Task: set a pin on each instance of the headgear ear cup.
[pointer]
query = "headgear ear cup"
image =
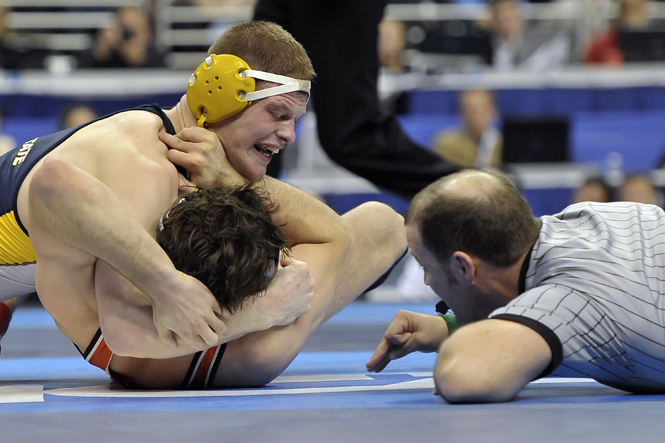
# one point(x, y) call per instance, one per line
point(217, 89)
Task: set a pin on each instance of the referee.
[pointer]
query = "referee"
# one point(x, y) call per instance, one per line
point(354, 129)
point(577, 294)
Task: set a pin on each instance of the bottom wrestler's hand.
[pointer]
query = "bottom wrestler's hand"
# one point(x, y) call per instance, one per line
point(188, 313)
point(408, 332)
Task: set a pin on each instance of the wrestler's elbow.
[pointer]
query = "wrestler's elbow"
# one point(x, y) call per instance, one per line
point(119, 346)
point(119, 340)
point(49, 180)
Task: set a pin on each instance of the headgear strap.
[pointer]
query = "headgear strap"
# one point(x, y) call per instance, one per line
point(287, 84)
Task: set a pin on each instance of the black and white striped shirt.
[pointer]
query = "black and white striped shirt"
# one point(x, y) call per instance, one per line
point(596, 281)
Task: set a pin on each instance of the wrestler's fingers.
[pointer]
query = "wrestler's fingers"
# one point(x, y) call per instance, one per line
point(167, 336)
point(180, 158)
point(174, 142)
point(196, 134)
point(224, 314)
point(217, 325)
point(209, 337)
point(197, 342)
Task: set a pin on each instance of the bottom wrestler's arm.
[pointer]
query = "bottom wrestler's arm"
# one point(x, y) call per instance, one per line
point(489, 361)
point(373, 240)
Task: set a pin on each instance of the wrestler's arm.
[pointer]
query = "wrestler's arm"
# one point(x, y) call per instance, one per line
point(64, 280)
point(129, 330)
point(303, 219)
point(489, 361)
point(344, 261)
point(371, 239)
point(84, 213)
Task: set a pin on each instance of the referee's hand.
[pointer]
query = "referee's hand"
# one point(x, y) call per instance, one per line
point(408, 332)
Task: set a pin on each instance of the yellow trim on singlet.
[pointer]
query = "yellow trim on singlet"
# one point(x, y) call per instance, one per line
point(15, 246)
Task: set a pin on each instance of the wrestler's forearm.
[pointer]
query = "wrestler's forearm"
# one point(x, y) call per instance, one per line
point(312, 226)
point(82, 212)
point(303, 218)
point(128, 327)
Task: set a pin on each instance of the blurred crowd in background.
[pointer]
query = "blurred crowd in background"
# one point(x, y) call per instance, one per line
point(457, 36)
point(504, 34)
point(425, 37)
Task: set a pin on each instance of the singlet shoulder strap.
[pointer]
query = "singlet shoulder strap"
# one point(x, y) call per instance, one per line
point(157, 110)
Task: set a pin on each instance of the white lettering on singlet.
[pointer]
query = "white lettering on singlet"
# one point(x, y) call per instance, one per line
point(23, 152)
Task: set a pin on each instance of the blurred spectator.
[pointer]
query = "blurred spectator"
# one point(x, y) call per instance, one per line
point(127, 42)
point(392, 41)
point(7, 142)
point(213, 3)
point(604, 47)
point(477, 144)
point(16, 53)
point(635, 188)
point(638, 188)
point(593, 190)
point(391, 46)
point(76, 114)
point(9, 57)
point(514, 45)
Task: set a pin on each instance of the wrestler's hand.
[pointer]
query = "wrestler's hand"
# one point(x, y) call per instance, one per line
point(188, 313)
point(201, 153)
point(408, 332)
point(288, 297)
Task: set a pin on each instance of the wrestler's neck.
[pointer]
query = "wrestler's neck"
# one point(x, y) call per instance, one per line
point(181, 116)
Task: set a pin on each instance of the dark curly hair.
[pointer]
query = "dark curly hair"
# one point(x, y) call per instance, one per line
point(225, 238)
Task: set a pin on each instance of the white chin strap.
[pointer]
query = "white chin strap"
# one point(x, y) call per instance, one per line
point(286, 85)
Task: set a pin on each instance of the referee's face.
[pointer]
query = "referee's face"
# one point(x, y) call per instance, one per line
point(437, 276)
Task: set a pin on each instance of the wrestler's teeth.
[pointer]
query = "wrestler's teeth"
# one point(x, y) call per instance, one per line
point(266, 150)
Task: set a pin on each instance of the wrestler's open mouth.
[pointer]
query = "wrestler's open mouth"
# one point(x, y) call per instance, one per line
point(267, 152)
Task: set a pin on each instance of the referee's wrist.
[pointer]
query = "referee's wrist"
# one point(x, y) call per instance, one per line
point(451, 322)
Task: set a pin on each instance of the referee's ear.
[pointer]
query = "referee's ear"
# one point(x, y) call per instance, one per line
point(463, 267)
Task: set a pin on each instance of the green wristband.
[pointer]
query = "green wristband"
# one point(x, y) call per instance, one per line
point(451, 321)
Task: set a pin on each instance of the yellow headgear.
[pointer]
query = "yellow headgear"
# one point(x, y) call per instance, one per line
point(224, 85)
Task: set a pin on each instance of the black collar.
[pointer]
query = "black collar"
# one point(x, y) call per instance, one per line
point(525, 267)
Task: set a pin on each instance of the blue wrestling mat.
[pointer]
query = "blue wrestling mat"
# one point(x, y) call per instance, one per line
point(49, 394)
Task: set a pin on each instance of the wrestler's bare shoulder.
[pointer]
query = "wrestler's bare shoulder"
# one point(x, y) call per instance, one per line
point(129, 130)
point(124, 152)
